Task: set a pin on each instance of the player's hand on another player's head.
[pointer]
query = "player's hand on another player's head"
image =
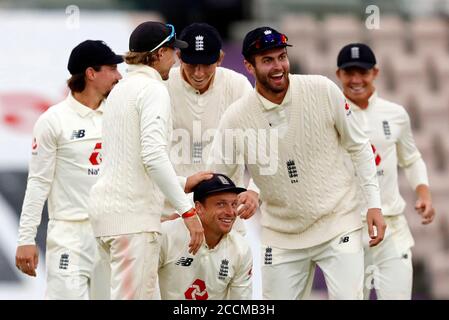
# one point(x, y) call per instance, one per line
point(425, 209)
point(196, 178)
point(196, 230)
point(247, 205)
point(376, 226)
point(27, 258)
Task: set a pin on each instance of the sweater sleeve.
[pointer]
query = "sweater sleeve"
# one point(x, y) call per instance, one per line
point(240, 287)
point(226, 154)
point(155, 118)
point(40, 178)
point(409, 156)
point(357, 144)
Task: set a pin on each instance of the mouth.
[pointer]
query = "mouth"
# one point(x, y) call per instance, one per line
point(277, 78)
point(357, 89)
point(226, 221)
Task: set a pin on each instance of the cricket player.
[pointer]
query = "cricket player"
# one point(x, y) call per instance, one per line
point(388, 126)
point(200, 91)
point(65, 159)
point(127, 201)
point(310, 208)
point(222, 268)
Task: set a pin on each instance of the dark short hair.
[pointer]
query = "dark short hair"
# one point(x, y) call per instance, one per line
point(77, 82)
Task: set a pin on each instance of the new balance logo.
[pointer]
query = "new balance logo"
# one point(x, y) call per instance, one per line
point(77, 134)
point(268, 256)
point(387, 131)
point(344, 239)
point(64, 261)
point(292, 171)
point(185, 262)
point(224, 269)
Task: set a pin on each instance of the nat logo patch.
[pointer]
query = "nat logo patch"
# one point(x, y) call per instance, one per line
point(268, 255)
point(292, 171)
point(197, 291)
point(224, 269)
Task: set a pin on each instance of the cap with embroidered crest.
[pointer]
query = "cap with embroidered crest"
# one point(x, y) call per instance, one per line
point(218, 183)
point(204, 44)
point(356, 55)
point(262, 39)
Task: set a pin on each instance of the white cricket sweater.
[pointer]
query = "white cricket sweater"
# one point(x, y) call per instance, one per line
point(388, 127)
point(310, 197)
point(65, 159)
point(136, 170)
point(196, 116)
point(224, 272)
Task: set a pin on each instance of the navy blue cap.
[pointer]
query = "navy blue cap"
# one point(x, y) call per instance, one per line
point(151, 35)
point(218, 183)
point(204, 44)
point(356, 55)
point(91, 53)
point(262, 39)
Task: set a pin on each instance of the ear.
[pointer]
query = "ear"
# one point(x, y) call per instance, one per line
point(337, 73)
point(220, 58)
point(199, 208)
point(89, 73)
point(375, 72)
point(249, 67)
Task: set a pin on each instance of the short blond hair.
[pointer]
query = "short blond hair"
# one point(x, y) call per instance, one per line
point(147, 58)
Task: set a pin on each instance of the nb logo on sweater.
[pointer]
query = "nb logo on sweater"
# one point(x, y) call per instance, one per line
point(344, 239)
point(292, 171)
point(78, 134)
point(224, 269)
point(185, 262)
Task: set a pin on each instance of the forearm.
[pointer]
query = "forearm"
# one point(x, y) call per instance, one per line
point(416, 174)
point(35, 196)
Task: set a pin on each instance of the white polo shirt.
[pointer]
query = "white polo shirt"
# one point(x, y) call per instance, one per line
point(224, 272)
point(388, 127)
point(65, 161)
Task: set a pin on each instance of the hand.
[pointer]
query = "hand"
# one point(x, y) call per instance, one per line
point(425, 209)
point(27, 258)
point(374, 218)
point(196, 178)
point(172, 216)
point(248, 202)
point(196, 233)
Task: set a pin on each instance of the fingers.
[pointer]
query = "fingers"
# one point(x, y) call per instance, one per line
point(428, 216)
point(378, 236)
point(26, 265)
point(247, 206)
point(196, 233)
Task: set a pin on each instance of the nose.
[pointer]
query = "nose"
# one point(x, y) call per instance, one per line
point(118, 75)
point(199, 71)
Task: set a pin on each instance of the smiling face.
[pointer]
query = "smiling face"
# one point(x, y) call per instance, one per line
point(271, 69)
point(358, 84)
point(199, 76)
point(218, 213)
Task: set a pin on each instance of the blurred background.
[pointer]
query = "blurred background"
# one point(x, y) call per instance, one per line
point(410, 39)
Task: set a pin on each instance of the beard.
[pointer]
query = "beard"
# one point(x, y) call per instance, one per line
point(264, 81)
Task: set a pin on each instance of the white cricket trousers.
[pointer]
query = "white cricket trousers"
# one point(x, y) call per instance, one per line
point(287, 274)
point(388, 266)
point(74, 269)
point(133, 260)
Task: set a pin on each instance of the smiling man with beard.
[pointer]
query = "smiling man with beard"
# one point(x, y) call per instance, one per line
point(310, 207)
point(222, 268)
